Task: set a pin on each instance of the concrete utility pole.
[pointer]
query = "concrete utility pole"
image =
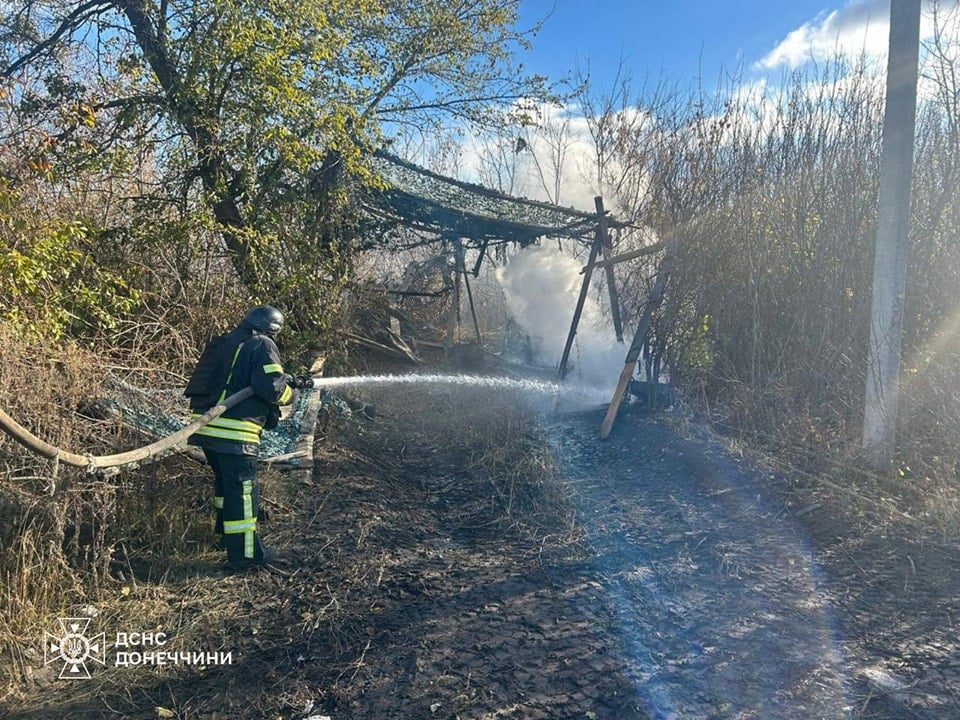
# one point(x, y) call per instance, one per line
point(893, 224)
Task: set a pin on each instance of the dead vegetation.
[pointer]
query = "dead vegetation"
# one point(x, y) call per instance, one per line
point(54, 518)
point(136, 551)
point(80, 539)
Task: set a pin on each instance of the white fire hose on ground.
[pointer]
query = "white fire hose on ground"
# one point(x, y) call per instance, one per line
point(109, 463)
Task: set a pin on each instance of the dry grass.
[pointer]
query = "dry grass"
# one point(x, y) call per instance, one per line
point(137, 549)
point(514, 454)
point(484, 443)
point(820, 456)
point(43, 508)
point(79, 540)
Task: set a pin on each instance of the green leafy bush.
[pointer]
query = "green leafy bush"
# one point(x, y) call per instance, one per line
point(53, 283)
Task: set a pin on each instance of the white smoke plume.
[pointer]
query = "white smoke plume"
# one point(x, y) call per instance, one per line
point(541, 286)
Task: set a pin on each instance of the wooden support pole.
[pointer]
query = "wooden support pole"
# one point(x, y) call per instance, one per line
point(473, 309)
point(581, 301)
point(453, 317)
point(606, 248)
point(654, 298)
point(480, 255)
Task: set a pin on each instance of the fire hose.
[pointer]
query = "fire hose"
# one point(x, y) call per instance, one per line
point(101, 463)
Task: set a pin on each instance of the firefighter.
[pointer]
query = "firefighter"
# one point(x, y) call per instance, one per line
point(245, 356)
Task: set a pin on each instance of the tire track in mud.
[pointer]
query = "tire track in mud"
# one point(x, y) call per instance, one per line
point(715, 595)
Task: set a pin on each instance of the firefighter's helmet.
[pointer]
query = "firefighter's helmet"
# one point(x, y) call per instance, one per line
point(264, 319)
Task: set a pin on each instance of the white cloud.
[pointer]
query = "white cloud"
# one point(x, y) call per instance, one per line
point(859, 26)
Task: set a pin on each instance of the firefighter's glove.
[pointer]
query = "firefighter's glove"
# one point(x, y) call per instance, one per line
point(300, 382)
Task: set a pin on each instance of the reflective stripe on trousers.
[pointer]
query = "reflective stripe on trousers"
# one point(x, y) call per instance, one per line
point(236, 479)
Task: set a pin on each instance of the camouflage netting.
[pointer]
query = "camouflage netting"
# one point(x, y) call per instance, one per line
point(158, 413)
point(423, 200)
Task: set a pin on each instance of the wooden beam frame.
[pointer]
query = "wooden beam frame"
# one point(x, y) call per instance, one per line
point(654, 298)
point(453, 318)
point(473, 310)
point(482, 251)
point(581, 301)
point(606, 247)
point(607, 261)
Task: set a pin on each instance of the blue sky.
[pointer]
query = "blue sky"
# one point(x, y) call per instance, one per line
point(687, 41)
point(685, 44)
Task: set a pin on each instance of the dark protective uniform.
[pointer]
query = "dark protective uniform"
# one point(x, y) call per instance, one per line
point(231, 443)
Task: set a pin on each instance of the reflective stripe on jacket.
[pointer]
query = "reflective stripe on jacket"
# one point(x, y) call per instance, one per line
point(255, 362)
